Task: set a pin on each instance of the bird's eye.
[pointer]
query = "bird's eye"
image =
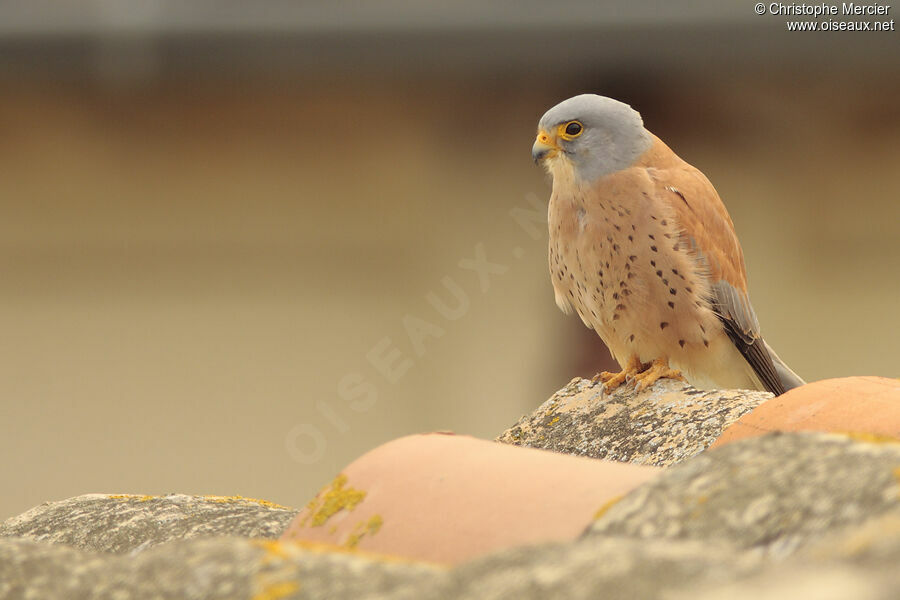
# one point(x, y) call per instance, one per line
point(572, 129)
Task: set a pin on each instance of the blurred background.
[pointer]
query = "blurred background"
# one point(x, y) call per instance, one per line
point(242, 243)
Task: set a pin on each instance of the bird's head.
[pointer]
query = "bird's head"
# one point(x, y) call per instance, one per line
point(591, 135)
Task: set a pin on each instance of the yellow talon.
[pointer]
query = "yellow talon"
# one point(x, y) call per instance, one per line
point(613, 380)
point(659, 369)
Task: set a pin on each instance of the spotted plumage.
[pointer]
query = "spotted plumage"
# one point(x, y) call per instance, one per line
point(644, 251)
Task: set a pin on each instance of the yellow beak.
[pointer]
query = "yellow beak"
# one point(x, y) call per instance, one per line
point(544, 147)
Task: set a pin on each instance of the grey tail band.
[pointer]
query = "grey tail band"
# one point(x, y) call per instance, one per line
point(789, 379)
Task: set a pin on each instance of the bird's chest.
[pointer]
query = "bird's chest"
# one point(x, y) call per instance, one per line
point(591, 260)
point(617, 260)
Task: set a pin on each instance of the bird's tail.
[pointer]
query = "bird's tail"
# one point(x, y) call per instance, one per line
point(788, 378)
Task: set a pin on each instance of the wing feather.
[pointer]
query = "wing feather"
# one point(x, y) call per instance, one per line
point(708, 232)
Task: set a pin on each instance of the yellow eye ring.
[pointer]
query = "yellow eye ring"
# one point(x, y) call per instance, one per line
point(570, 131)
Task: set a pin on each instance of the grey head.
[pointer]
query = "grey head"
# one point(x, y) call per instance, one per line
point(598, 135)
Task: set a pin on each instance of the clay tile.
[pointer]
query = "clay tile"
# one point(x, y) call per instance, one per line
point(448, 498)
point(855, 405)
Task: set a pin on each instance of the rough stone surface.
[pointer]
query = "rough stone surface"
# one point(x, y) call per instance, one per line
point(782, 516)
point(859, 562)
point(608, 568)
point(199, 568)
point(661, 426)
point(774, 494)
point(123, 522)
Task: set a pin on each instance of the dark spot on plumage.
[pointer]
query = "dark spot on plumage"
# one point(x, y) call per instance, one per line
point(633, 228)
point(609, 239)
point(632, 258)
point(652, 237)
point(596, 289)
point(665, 281)
point(626, 291)
point(615, 317)
point(652, 263)
point(681, 343)
point(600, 273)
point(622, 284)
point(630, 238)
point(620, 307)
point(688, 290)
point(607, 264)
point(663, 223)
point(617, 227)
point(659, 273)
point(651, 216)
point(663, 325)
point(615, 247)
point(671, 304)
point(676, 246)
point(702, 328)
point(615, 295)
point(653, 248)
point(672, 291)
point(630, 275)
point(667, 236)
point(627, 267)
point(631, 338)
point(706, 342)
point(674, 271)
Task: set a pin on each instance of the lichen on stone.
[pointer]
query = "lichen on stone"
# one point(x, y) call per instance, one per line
point(606, 506)
point(240, 499)
point(363, 529)
point(331, 500)
point(276, 591)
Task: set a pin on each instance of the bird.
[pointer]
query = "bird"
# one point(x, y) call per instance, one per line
point(644, 251)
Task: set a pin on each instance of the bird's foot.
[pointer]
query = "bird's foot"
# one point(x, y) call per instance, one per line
point(658, 369)
point(611, 381)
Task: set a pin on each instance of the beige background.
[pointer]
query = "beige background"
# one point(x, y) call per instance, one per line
point(194, 256)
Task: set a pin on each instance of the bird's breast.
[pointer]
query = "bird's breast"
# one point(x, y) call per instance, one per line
point(617, 259)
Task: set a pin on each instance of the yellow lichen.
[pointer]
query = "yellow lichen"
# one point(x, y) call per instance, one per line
point(274, 550)
point(553, 421)
point(276, 591)
point(363, 529)
point(242, 499)
point(288, 549)
point(374, 524)
point(609, 504)
point(872, 438)
point(353, 539)
point(332, 499)
point(137, 497)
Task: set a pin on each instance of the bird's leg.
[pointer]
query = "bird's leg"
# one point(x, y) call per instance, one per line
point(658, 369)
point(613, 380)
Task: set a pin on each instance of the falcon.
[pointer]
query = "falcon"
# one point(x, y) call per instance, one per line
point(644, 251)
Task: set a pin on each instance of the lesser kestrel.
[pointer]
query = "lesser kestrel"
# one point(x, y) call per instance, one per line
point(643, 249)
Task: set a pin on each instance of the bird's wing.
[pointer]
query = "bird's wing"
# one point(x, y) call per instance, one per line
point(708, 232)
